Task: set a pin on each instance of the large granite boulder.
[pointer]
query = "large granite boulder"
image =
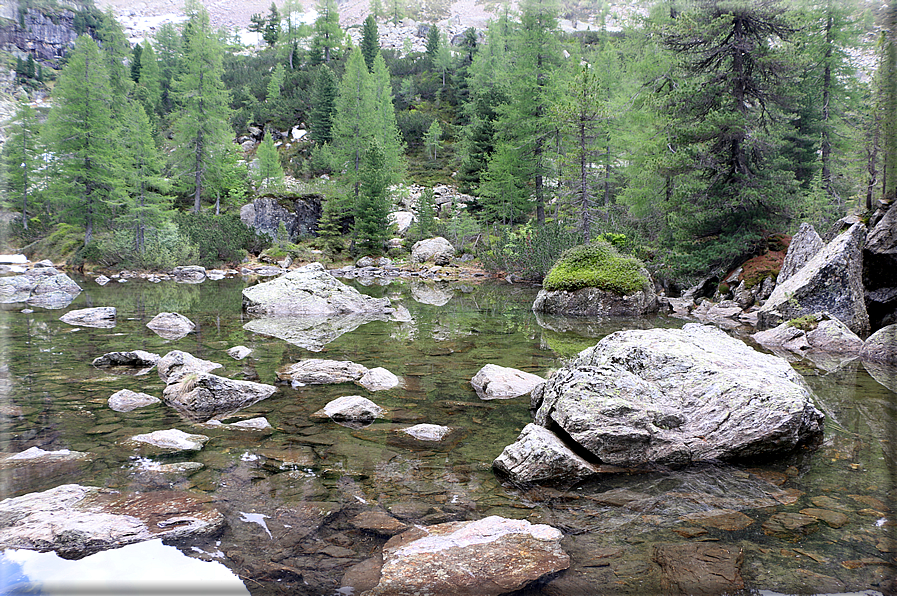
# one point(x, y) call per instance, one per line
point(351, 409)
point(831, 281)
point(674, 396)
point(595, 280)
point(485, 557)
point(499, 382)
point(188, 274)
point(819, 331)
point(310, 290)
point(76, 521)
point(203, 396)
point(439, 250)
point(881, 346)
point(805, 244)
point(45, 287)
point(102, 317)
point(171, 325)
point(880, 266)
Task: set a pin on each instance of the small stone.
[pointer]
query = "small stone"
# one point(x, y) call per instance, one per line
point(172, 440)
point(832, 518)
point(427, 432)
point(127, 400)
point(378, 522)
point(790, 526)
point(239, 352)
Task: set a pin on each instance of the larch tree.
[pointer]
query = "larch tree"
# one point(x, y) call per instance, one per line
point(270, 173)
point(201, 125)
point(81, 136)
point(21, 156)
point(355, 119)
point(386, 129)
point(328, 34)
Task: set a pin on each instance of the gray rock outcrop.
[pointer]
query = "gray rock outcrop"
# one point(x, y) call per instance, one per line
point(831, 281)
point(675, 396)
point(595, 302)
point(127, 400)
point(438, 249)
point(880, 266)
point(299, 215)
point(48, 37)
point(137, 359)
point(805, 244)
point(203, 396)
point(881, 346)
point(171, 325)
point(102, 317)
point(176, 364)
point(485, 557)
point(819, 331)
point(499, 382)
point(76, 521)
point(188, 274)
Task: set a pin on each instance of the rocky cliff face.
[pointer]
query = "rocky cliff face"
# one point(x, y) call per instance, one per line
point(46, 35)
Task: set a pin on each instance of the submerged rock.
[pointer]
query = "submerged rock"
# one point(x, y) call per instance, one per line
point(138, 359)
point(486, 557)
point(202, 396)
point(171, 325)
point(310, 290)
point(36, 455)
point(499, 382)
point(76, 521)
point(675, 396)
point(171, 440)
point(699, 569)
point(831, 281)
point(351, 408)
point(538, 455)
point(239, 352)
point(127, 400)
point(102, 317)
point(311, 332)
point(427, 432)
point(378, 379)
point(317, 371)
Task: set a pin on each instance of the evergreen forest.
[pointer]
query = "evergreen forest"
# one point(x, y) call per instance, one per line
point(691, 138)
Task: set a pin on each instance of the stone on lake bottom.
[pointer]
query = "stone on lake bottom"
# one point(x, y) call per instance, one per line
point(172, 440)
point(486, 557)
point(127, 400)
point(499, 382)
point(699, 569)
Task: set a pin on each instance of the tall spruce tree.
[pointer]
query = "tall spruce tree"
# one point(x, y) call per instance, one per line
point(386, 130)
point(328, 34)
point(272, 26)
point(201, 125)
point(81, 136)
point(323, 105)
point(730, 182)
point(370, 41)
point(21, 156)
point(372, 206)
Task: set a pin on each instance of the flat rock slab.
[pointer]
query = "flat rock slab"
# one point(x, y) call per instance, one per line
point(499, 382)
point(171, 325)
point(127, 400)
point(835, 519)
point(309, 290)
point(76, 521)
point(721, 519)
point(427, 432)
point(36, 455)
point(675, 396)
point(317, 371)
point(378, 522)
point(790, 526)
point(171, 440)
point(102, 317)
point(486, 557)
point(699, 569)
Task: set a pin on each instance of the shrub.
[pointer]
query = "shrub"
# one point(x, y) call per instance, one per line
point(596, 265)
point(528, 252)
point(220, 238)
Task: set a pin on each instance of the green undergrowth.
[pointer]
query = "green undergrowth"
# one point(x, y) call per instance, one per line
point(596, 265)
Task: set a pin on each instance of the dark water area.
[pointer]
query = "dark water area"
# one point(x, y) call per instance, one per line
point(289, 493)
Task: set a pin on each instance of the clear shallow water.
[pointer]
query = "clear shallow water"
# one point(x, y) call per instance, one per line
point(289, 495)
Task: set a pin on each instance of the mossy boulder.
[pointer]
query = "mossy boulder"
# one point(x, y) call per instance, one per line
point(596, 280)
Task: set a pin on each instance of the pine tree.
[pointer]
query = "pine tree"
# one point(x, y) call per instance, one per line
point(329, 227)
point(432, 46)
point(270, 172)
point(150, 86)
point(370, 42)
point(328, 34)
point(257, 25)
point(323, 105)
point(145, 202)
point(272, 26)
point(201, 125)
point(21, 155)
point(169, 50)
point(80, 131)
point(275, 83)
point(355, 120)
point(432, 136)
point(372, 207)
point(376, 9)
point(135, 62)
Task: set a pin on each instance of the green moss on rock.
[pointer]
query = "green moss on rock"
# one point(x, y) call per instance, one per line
point(805, 323)
point(596, 265)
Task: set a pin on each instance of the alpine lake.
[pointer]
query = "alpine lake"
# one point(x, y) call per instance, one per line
point(289, 493)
